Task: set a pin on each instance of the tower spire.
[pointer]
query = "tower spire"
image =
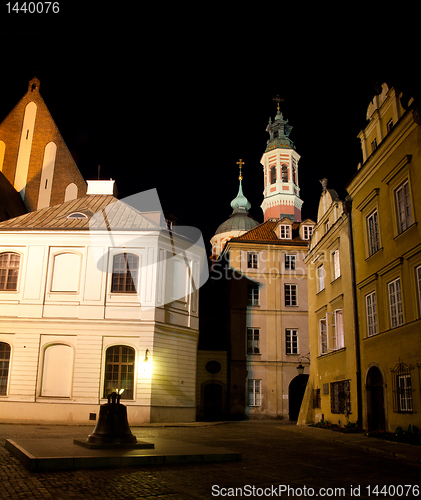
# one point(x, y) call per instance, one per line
point(240, 201)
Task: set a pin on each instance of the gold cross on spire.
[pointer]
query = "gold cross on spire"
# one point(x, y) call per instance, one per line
point(240, 163)
point(278, 100)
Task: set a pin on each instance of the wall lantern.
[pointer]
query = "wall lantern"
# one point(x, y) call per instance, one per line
point(300, 367)
point(146, 360)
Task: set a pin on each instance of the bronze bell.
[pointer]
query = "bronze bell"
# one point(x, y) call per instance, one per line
point(112, 427)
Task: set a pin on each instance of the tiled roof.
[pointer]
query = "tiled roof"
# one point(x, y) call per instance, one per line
point(117, 216)
point(265, 233)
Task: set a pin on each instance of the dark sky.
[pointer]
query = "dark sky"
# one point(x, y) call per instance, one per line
point(171, 99)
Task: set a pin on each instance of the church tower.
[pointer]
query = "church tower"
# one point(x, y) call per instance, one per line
point(238, 223)
point(280, 169)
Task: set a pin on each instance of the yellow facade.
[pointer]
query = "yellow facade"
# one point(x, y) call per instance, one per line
point(386, 213)
point(331, 393)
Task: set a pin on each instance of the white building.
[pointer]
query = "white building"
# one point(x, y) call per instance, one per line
point(96, 295)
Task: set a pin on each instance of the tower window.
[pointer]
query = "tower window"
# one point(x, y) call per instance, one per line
point(273, 175)
point(284, 173)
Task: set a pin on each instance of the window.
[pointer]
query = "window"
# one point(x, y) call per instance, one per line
point(9, 271)
point(374, 145)
point(253, 341)
point(395, 303)
point(255, 392)
point(284, 173)
point(317, 400)
point(389, 125)
point(291, 341)
point(252, 260)
point(273, 175)
point(338, 340)
point(66, 272)
point(320, 278)
point(418, 278)
point(253, 294)
point(119, 371)
point(403, 206)
point(285, 232)
point(373, 233)
point(336, 265)
point(326, 226)
point(290, 262)
point(323, 336)
point(370, 305)
point(294, 174)
point(340, 397)
point(307, 232)
point(291, 295)
point(4, 367)
point(125, 273)
point(402, 388)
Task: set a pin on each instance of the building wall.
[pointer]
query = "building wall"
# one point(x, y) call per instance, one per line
point(332, 362)
point(397, 255)
point(73, 309)
point(271, 317)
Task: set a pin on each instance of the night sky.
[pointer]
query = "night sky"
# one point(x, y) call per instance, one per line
point(172, 99)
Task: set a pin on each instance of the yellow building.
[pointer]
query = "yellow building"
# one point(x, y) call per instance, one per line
point(332, 387)
point(386, 211)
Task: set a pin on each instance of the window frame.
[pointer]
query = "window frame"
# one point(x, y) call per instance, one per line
point(10, 271)
point(323, 341)
point(336, 264)
point(408, 220)
point(373, 234)
point(291, 341)
point(320, 278)
point(371, 317)
point(418, 284)
point(253, 341)
point(396, 318)
point(290, 262)
point(340, 397)
point(252, 260)
point(119, 364)
point(292, 294)
point(309, 230)
point(5, 356)
point(253, 294)
point(339, 335)
point(273, 176)
point(116, 275)
point(254, 388)
point(285, 232)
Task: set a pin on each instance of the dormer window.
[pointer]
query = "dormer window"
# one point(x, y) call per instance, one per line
point(285, 232)
point(307, 232)
point(77, 215)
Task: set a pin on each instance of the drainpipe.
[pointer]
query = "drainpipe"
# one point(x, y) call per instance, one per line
point(348, 212)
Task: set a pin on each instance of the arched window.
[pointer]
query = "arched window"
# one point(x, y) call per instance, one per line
point(4, 367)
point(119, 371)
point(273, 175)
point(9, 271)
point(125, 273)
point(284, 173)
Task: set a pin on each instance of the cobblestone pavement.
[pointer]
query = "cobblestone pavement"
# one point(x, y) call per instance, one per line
point(275, 457)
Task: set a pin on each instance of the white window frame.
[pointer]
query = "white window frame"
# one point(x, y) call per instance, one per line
point(339, 330)
point(291, 341)
point(307, 232)
point(253, 341)
point(293, 298)
point(395, 303)
point(323, 336)
point(320, 278)
point(285, 232)
point(371, 313)
point(336, 264)
point(252, 260)
point(253, 294)
point(254, 387)
point(290, 262)
point(373, 233)
point(404, 387)
point(403, 206)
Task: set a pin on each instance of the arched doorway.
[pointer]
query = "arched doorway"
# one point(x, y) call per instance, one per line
point(375, 400)
point(296, 391)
